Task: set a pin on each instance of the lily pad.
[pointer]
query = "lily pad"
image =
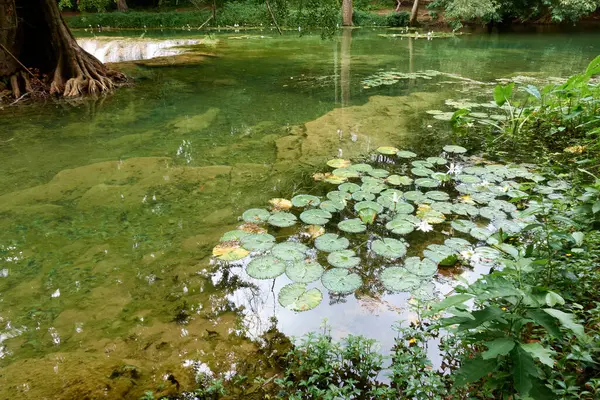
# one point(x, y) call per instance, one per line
point(389, 248)
point(339, 163)
point(437, 195)
point(430, 216)
point(397, 279)
point(458, 244)
point(258, 242)
point(421, 164)
point(279, 204)
point(256, 215)
point(437, 160)
point(229, 251)
point(454, 149)
point(363, 196)
point(468, 178)
point(303, 200)
point(443, 207)
point(266, 267)
point(332, 206)
point(398, 180)
point(462, 225)
point(423, 268)
point(367, 215)
point(315, 217)
point(480, 233)
point(348, 187)
point(304, 271)
point(335, 179)
point(422, 171)
point(290, 251)
point(282, 219)
point(378, 208)
point(346, 173)
point(233, 235)
point(352, 226)
point(373, 187)
point(492, 213)
point(400, 226)
point(427, 182)
point(336, 195)
point(387, 150)
point(361, 167)
point(414, 196)
point(379, 173)
point(340, 280)
point(331, 242)
point(295, 297)
point(438, 253)
point(343, 259)
point(406, 154)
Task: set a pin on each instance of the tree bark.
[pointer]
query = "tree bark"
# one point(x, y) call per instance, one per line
point(122, 5)
point(347, 13)
point(34, 37)
point(414, 13)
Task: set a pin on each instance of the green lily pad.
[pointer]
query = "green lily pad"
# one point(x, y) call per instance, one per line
point(345, 173)
point(438, 253)
point(331, 242)
point(378, 208)
point(414, 196)
point(431, 216)
point(363, 196)
point(361, 167)
point(492, 213)
point(454, 149)
point(475, 170)
point(256, 215)
point(480, 233)
point(406, 154)
point(462, 225)
point(233, 235)
point(387, 150)
point(289, 251)
point(343, 259)
point(349, 187)
point(397, 279)
point(315, 217)
point(468, 178)
point(434, 112)
point(340, 280)
point(427, 182)
point(483, 197)
point(517, 194)
point(258, 242)
point(423, 268)
point(379, 173)
point(373, 187)
point(437, 195)
point(266, 267)
point(339, 163)
point(332, 206)
point(398, 180)
point(400, 226)
point(295, 297)
point(282, 219)
point(508, 226)
point(367, 215)
point(303, 200)
point(465, 209)
point(389, 248)
point(338, 196)
point(421, 171)
point(502, 205)
point(422, 164)
point(447, 116)
point(304, 271)
point(352, 226)
point(443, 207)
point(457, 244)
point(437, 160)
point(439, 176)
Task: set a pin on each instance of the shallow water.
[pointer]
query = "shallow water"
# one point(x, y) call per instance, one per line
point(110, 208)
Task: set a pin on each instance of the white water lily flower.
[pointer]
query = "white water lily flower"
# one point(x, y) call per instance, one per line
point(455, 169)
point(467, 254)
point(395, 197)
point(484, 183)
point(424, 226)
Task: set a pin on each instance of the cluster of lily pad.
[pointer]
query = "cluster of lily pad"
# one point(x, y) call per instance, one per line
point(489, 112)
point(364, 228)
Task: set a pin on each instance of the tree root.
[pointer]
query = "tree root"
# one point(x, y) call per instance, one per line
point(89, 77)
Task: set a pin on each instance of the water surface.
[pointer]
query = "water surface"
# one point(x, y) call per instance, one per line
point(110, 207)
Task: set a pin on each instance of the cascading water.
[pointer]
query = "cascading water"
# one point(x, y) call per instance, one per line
point(121, 49)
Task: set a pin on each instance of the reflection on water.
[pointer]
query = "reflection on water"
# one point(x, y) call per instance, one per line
point(110, 208)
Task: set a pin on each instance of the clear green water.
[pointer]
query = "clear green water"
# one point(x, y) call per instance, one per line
point(118, 202)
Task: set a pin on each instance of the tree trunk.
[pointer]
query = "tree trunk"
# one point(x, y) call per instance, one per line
point(347, 12)
point(414, 13)
point(122, 5)
point(35, 39)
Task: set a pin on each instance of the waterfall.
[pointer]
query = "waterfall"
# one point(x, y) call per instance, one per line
point(122, 49)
